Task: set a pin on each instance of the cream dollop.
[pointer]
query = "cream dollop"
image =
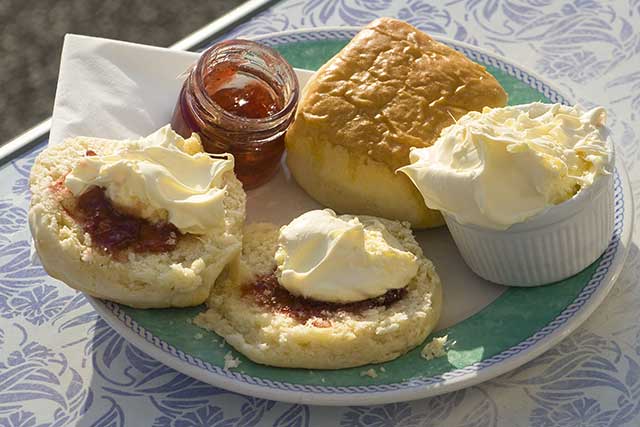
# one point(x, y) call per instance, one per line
point(341, 259)
point(162, 177)
point(504, 165)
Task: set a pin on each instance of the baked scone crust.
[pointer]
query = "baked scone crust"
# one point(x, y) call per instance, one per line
point(391, 88)
point(180, 278)
point(272, 338)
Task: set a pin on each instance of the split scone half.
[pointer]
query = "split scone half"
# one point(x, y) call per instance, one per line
point(390, 89)
point(279, 326)
point(179, 277)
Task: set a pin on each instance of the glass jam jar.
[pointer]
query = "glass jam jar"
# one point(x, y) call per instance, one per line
point(240, 97)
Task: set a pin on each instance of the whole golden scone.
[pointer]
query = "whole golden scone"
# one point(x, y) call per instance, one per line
point(341, 340)
point(391, 88)
point(179, 278)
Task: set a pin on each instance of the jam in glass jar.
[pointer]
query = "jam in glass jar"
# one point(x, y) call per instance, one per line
point(240, 97)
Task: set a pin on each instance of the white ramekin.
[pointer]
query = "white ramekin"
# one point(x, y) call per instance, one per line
point(553, 245)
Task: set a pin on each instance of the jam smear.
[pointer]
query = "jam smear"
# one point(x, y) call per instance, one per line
point(114, 231)
point(266, 291)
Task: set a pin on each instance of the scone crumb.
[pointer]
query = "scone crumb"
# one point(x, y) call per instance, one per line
point(230, 362)
point(189, 321)
point(382, 369)
point(371, 373)
point(435, 348)
point(198, 336)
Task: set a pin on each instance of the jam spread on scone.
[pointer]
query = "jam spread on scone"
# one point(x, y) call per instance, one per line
point(266, 291)
point(161, 178)
point(112, 230)
point(146, 194)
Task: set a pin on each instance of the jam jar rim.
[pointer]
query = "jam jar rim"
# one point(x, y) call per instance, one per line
point(197, 74)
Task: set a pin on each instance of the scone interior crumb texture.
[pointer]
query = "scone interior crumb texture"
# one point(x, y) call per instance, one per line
point(435, 348)
point(230, 362)
point(352, 339)
point(371, 373)
point(179, 278)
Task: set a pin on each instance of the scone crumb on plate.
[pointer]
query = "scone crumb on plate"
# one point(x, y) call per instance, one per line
point(198, 336)
point(435, 348)
point(382, 369)
point(230, 362)
point(371, 373)
point(189, 321)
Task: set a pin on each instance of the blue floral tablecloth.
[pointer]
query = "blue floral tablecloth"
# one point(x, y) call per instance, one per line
point(61, 365)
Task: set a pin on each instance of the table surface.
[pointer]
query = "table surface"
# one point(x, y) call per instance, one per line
point(61, 365)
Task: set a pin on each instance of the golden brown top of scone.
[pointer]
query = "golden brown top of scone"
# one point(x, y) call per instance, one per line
point(391, 88)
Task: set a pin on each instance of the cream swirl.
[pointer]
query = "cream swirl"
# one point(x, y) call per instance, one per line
point(160, 177)
point(505, 165)
point(341, 259)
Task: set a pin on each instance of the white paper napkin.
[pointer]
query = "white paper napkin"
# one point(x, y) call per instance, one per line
point(114, 89)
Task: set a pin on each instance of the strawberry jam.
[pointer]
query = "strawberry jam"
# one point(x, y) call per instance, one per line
point(240, 98)
point(266, 291)
point(242, 94)
point(114, 231)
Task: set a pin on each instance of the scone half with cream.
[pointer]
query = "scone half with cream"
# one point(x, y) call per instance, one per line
point(149, 223)
point(326, 292)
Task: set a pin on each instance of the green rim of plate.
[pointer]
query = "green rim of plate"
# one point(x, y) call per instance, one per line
point(512, 318)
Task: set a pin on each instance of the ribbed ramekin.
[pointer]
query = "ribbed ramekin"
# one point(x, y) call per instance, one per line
point(551, 246)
